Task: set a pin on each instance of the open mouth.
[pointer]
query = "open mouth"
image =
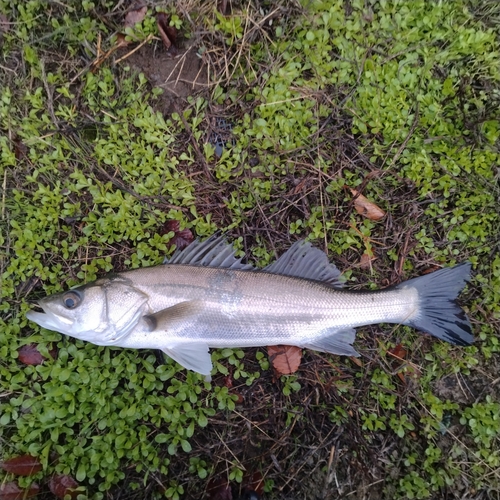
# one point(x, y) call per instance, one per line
point(47, 319)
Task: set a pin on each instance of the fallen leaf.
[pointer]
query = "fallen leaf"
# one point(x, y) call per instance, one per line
point(181, 239)
point(365, 207)
point(300, 186)
point(20, 149)
point(135, 16)
point(430, 270)
point(168, 33)
point(120, 40)
point(4, 23)
point(62, 485)
point(30, 355)
point(398, 352)
point(366, 260)
point(285, 358)
point(239, 396)
point(12, 491)
point(219, 489)
point(224, 7)
point(356, 361)
point(170, 225)
point(255, 483)
point(24, 465)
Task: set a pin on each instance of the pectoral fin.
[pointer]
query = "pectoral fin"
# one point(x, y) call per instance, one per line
point(193, 356)
point(173, 317)
point(335, 342)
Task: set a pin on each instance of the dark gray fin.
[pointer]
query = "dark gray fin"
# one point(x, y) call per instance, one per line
point(439, 314)
point(335, 342)
point(213, 252)
point(193, 356)
point(302, 260)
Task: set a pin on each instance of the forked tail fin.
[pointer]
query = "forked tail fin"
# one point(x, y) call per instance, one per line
point(440, 315)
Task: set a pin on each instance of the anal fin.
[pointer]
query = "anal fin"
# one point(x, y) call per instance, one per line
point(335, 342)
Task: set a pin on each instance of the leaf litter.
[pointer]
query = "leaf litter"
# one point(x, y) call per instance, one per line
point(135, 16)
point(12, 491)
point(29, 354)
point(182, 237)
point(23, 465)
point(167, 33)
point(285, 358)
point(366, 207)
point(62, 485)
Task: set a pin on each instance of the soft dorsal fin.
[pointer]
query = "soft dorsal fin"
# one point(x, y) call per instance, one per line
point(302, 260)
point(213, 252)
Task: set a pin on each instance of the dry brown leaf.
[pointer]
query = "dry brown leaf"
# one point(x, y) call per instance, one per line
point(30, 355)
point(430, 270)
point(4, 23)
point(24, 465)
point(181, 238)
point(219, 489)
point(365, 207)
point(239, 397)
point(366, 260)
point(62, 485)
point(399, 352)
point(254, 483)
point(12, 491)
point(135, 16)
point(228, 381)
point(224, 7)
point(120, 40)
point(4, 27)
point(168, 33)
point(285, 358)
point(356, 361)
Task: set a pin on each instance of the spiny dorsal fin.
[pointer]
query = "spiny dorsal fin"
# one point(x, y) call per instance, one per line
point(302, 260)
point(213, 252)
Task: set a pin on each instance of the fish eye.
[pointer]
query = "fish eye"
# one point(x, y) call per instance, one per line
point(72, 299)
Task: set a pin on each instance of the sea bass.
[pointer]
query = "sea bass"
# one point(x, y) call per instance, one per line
point(205, 297)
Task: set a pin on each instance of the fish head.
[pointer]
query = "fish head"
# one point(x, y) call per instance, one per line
point(102, 312)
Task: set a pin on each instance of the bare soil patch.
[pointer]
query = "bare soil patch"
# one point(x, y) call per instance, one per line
point(178, 76)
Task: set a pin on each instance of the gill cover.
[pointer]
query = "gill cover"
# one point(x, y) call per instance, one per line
point(102, 312)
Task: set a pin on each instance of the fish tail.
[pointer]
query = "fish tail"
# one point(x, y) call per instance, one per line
point(439, 313)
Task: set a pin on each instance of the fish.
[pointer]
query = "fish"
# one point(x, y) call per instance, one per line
point(205, 297)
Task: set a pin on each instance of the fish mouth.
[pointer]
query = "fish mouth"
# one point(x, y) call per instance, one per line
point(48, 320)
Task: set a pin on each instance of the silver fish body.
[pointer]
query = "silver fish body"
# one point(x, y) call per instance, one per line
point(205, 297)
